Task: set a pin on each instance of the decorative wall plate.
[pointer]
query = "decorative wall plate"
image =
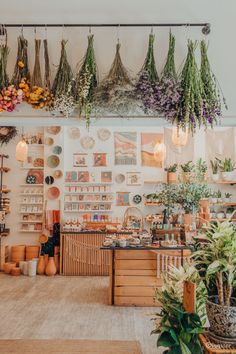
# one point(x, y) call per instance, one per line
point(49, 180)
point(38, 162)
point(57, 174)
point(30, 179)
point(53, 161)
point(57, 150)
point(53, 193)
point(74, 132)
point(120, 178)
point(103, 134)
point(87, 142)
point(49, 141)
point(38, 174)
point(137, 199)
point(54, 130)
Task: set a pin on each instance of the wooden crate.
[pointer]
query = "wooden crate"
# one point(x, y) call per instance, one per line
point(4, 256)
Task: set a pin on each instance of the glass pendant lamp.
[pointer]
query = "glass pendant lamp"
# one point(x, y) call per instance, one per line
point(22, 149)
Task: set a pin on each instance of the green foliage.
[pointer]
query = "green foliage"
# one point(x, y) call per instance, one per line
point(215, 166)
point(168, 196)
point(187, 167)
point(200, 170)
point(172, 168)
point(226, 165)
point(190, 194)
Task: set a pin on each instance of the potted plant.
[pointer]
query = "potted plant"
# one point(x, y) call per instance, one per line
point(219, 196)
point(171, 173)
point(214, 197)
point(227, 167)
point(177, 330)
point(229, 212)
point(227, 198)
point(215, 170)
point(200, 170)
point(217, 266)
point(187, 168)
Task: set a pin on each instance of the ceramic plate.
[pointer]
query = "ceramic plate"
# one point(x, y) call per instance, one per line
point(53, 161)
point(49, 141)
point(38, 162)
point(54, 130)
point(38, 174)
point(53, 193)
point(30, 179)
point(57, 150)
point(87, 142)
point(57, 174)
point(104, 134)
point(120, 178)
point(74, 132)
point(49, 180)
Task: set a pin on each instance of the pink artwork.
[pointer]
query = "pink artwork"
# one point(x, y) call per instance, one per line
point(148, 142)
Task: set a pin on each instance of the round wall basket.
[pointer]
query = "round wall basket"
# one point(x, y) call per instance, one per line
point(54, 130)
point(49, 141)
point(53, 161)
point(87, 142)
point(104, 134)
point(53, 193)
point(74, 132)
point(57, 174)
point(49, 180)
point(57, 150)
point(120, 178)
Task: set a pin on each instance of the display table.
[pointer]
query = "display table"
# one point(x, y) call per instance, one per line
point(135, 273)
point(81, 254)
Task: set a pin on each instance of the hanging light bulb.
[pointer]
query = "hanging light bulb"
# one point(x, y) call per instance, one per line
point(179, 136)
point(22, 150)
point(159, 152)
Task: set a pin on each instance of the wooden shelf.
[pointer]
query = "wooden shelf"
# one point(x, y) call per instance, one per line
point(223, 182)
point(152, 203)
point(88, 211)
point(4, 169)
point(40, 203)
point(67, 184)
point(31, 212)
point(88, 193)
point(223, 204)
point(224, 219)
point(36, 145)
point(32, 185)
point(32, 168)
point(31, 221)
point(89, 202)
point(154, 182)
point(29, 231)
point(31, 194)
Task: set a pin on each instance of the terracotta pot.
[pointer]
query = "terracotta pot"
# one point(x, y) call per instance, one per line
point(18, 253)
point(16, 271)
point(51, 267)
point(57, 262)
point(186, 176)
point(187, 219)
point(41, 265)
point(171, 177)
point(7, 267)
point(46, 260)
point(32, 252)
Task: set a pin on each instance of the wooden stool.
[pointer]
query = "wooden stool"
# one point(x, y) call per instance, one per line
point(209, 347)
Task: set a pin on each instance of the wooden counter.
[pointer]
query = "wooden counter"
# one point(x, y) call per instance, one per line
point(136, 273)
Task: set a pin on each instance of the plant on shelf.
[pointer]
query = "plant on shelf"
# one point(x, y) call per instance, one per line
point(227, 167)
point(200, 170)
point(216, 259)
point(187, 169)
point(227, 197)
point(190, 194)
point(151, 198)
point(171, 173)
point(168, 196)
point(178, 330)
point(229, 212)
point(215, 169)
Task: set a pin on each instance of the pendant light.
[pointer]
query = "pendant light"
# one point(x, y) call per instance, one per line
point(179, 136)
point(159, 152)
point(22, 149)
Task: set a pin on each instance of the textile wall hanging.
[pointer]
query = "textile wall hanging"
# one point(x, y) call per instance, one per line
point(219, 143)
point(175, 154)
point(125, 148)
point(148, 142)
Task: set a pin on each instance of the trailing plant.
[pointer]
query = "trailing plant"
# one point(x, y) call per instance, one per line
point(115, 94)
point(216, 258)
point(147, 80)
point(211, 94)
point(178, 331)
point(172, 168)
point(86, 82)
point(187, 167)
point(167, 92)
point(190, 194)
point(21, 70)
point(215, 166)
point(227, 165)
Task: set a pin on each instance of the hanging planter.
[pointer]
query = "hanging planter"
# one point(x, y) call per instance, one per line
point(147, 80)
point(86, 82)
point(167, 93)
point(211, 94)
point(63, 86)
point(116, 92)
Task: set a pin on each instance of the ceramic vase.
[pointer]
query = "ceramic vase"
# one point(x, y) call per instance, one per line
point(187, 219)
point(51, 267)
point(32, 267)
point(171, 177)
point(215, 177)
point(41, 265)
point(228, 176)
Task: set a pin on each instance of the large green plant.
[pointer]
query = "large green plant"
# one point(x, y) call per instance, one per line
point(178, 330)
point(190, 194)
point(227, 165)
point(217, 259)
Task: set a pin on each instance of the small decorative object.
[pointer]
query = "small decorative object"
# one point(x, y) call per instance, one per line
point(120, 178)
point(53, 161)
point(38, 174)
point(57, 150)
point(57, 174)
point(38, 162)
point(133, 178)
point(7, 134)
point(99, 159)
point(73, 132)
point(187, 169)
point(80, 160)
point(215, 170)
point(53, 193)
point(71, 176)
point(49, 180)
point(200, 171)
point(125, 148)
point(86, 82)
point(137, 199)
point(49, 141)
point(21, 150)
point(51, 267)
point(87, 142)
point(133, 218)
point(83, 176)
point(227, 167)
point(179, 136)
point(54, 130)
point(171, 173)
point(159, 152)
point(103, 134)
point(122, 198)
point(30, 179)
point(106, 177)
point(148, 143)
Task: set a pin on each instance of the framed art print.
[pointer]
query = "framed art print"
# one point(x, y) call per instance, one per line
point(80, 160)
point(106, 176)
point(83, 176)
point(133, 178)
point(122, 199)
point(99, 159)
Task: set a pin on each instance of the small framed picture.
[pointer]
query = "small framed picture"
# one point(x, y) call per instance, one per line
point(80, 160)
point(106, 177)
point(122, 199)
point(133, 178)
point(99, 159)
point(83, 176)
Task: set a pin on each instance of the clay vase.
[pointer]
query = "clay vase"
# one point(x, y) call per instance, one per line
point(46, 260)
point(41, 265)
point(57, 262)
point(51, 267)
point(171, 177)
point(187, 219)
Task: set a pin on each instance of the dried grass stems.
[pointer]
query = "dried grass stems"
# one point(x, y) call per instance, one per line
point(4, 79)
point(21, 70)
point(36, 79)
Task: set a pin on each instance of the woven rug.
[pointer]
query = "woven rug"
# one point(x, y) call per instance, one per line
point(51, 346)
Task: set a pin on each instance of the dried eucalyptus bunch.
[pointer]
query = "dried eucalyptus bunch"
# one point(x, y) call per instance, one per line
point(86, 82)
point(115, 94)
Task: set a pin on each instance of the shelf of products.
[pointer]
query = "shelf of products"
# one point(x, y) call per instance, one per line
point(153, 182)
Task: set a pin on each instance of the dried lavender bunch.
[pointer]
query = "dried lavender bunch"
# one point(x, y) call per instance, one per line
point(21, 71)
point(147, 80)
point(115, 94)
point(167, 92)
point(86, 82)
point(212, 109)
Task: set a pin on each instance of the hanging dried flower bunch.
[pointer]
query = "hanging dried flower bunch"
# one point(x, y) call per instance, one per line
point(167, 92)
point(211, 94)
point(147, 80)
point(115, 94)
point(21, 71)
point(49, 102)
point(191, 102)
point(86, 82)
point(63, 87)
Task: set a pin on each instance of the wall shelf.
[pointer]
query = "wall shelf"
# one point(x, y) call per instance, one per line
point(31, 221)
point(87, 193)
point(89, 202)
point(154, 182)
point(31, 185)
point(30, 231)
point(88, 211)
